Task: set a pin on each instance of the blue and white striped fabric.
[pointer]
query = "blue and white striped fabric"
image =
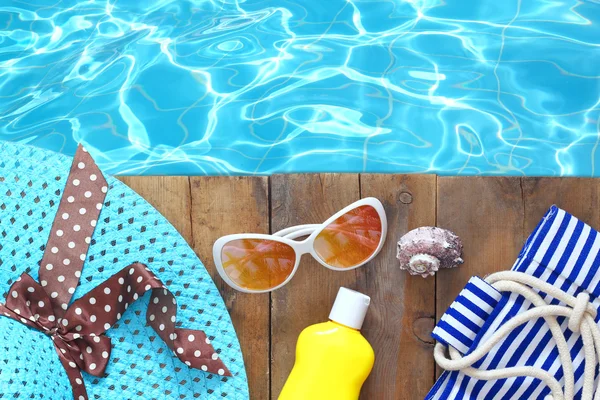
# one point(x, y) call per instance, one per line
point(562, 251)
point(465, 317)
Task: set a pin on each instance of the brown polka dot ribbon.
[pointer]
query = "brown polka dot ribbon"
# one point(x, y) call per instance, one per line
point(77, 330)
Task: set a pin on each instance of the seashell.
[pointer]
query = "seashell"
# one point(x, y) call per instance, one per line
point(423, 251)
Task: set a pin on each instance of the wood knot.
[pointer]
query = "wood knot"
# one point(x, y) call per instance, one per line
point(405, 197)
point(422, 328)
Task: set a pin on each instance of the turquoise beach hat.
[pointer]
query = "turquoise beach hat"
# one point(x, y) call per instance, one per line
point(140, 365)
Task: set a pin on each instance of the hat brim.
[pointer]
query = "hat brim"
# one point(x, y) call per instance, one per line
point(129, 230)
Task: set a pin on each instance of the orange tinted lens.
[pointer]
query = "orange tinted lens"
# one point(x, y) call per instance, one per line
point(351, 239)
point(257, 264)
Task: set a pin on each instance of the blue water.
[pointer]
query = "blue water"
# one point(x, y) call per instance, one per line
point(243, 87)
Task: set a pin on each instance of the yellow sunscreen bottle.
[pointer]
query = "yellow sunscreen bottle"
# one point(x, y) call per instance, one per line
point(333, 359)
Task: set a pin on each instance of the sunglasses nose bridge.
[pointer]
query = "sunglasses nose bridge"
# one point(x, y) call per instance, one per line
point(303, 247)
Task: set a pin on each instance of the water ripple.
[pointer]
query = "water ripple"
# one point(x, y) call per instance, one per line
point(254, 87)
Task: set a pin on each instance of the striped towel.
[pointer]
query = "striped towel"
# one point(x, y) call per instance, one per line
point(562, 251)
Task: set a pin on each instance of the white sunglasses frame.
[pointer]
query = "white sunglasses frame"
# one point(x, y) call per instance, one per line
point(303, 247)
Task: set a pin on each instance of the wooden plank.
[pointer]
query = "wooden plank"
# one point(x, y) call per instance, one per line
point(487, 214)
point(402, 311)
point(578, 196)
point(170, 195)
point(225, 205)
point(308, 297)
point(204, 209)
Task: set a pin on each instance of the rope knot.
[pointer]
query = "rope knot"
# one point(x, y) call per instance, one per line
point(581, 316)
point(583, 299)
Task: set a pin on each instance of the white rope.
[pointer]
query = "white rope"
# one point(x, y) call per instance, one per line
point(581, 314)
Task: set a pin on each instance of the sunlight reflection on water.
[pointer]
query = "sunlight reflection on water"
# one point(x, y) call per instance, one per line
point(234, 87)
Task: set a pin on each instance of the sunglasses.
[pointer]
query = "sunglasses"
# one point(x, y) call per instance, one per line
point(256, 263)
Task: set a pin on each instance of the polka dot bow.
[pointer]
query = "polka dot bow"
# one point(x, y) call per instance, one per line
point(77, 330)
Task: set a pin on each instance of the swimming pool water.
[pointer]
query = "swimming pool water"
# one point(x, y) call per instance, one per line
point(243, 87)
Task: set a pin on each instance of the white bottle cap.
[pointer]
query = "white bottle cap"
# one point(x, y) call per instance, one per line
point(350, 308)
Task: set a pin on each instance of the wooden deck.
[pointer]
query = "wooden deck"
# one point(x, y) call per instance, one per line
point(493, 216)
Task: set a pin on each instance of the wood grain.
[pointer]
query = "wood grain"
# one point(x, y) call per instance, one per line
point(221, 206)
point(307, 298)
point(487, 214)
point(578, 196)
point(402, 311)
